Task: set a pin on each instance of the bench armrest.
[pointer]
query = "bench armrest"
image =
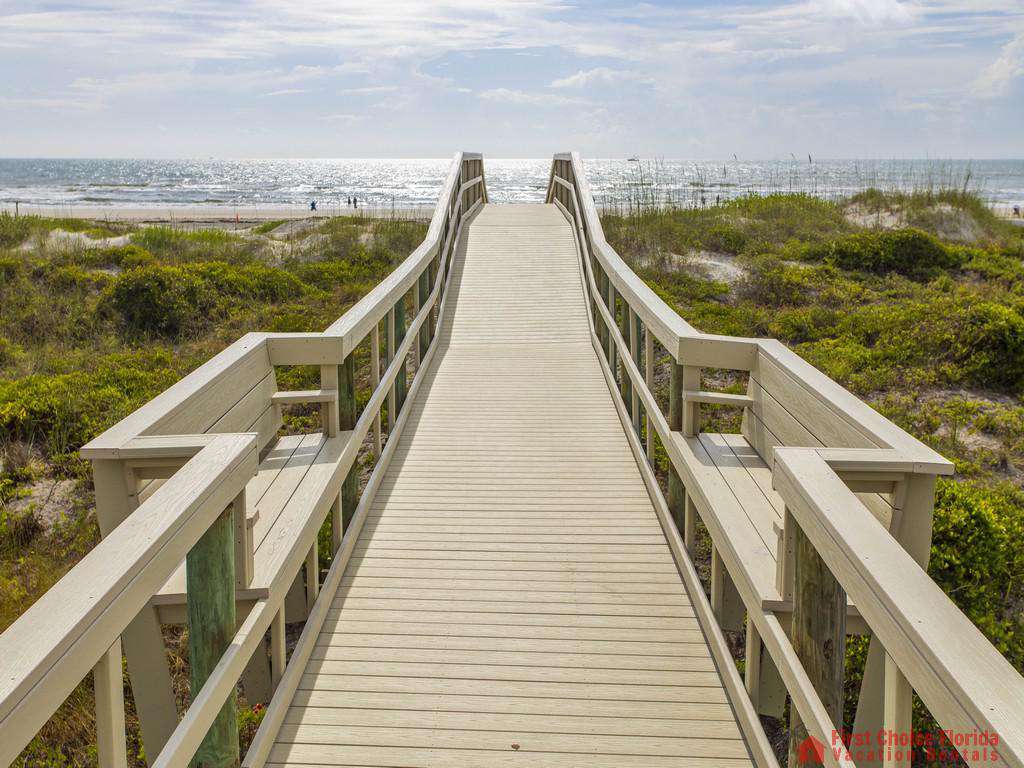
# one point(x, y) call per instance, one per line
point(304, 396)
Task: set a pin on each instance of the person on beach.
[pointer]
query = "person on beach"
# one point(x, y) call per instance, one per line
point(348, 202)
point(312, 205)
point(355, 201)
point(1016, 211)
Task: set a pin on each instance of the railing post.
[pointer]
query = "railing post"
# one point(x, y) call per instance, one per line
point(649, 380)
point(399, 337)
point(635, 331)
point(210, 590)
point(389, 355)
point(818, 633)
point(347, 421)
point(144, 647)
point(375, 381)
point(676, 491)
point(423, 339)
point(897, 718)
point(108, 684)
point(610, 300)
point(626, 384)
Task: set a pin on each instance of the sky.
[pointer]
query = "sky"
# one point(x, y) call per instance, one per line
point(512, 78)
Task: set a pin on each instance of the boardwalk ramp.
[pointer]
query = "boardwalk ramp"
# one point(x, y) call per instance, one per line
point(512, 597)
point(513, 514)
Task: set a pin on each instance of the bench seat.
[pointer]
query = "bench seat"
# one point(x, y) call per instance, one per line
point(294, 487)
point(738, 483)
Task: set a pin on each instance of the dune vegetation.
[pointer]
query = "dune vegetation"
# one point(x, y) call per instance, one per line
point(915, 302)
point(96, 319)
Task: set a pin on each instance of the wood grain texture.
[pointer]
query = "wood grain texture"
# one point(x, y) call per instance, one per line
point(512, 584)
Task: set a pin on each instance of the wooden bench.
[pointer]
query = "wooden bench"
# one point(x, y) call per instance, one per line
point(284, 504)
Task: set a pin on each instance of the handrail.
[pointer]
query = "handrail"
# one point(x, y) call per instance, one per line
point(75, 626)
point(686, 343)
point(925, 636)
point(964, 681)
point(354, 324)
point(54, 644)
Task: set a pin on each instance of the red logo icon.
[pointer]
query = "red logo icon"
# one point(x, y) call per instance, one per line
point(811, 751)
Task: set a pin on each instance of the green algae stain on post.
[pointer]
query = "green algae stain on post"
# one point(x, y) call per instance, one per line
point(399, 337)
point(422, 292)
point(347, 421)
point(210, 588)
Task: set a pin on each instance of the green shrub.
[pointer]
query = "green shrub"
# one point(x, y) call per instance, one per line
point(771, 282)
point(67, 410)
point(14, 230)
point(909, 252)
point(978, 561)
point(161, 300)
point(167, 301)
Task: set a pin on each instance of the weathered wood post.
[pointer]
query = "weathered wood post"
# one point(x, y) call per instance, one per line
point(626, 384)
point(610, 302)
point(210, 590)
point(636, 350)
point(676, 492)
point(399, 337)
point(347, 421)
point(422, 292)
point(818, 633)
point(602, 287)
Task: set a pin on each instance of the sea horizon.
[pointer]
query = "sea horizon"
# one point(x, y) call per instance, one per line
point(405, 183)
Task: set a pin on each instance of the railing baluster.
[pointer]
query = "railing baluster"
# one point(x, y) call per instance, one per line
point(635, 350)
point(897, 715)
point(649, 380)
point(400, 382)
point(389, 356)
point(108, 684)
point(375, 380)
point(676, 493)
point(625, 384)
point(210, 602)
point(278, 648)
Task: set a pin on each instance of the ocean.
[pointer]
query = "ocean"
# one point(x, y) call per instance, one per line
point(380, 183)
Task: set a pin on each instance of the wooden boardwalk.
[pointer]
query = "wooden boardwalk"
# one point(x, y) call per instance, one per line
point(510, 586)
point(512, 598)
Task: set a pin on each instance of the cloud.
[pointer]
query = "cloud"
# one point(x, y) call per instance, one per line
point(995, 80)
point(871, 12)
point(368, 90)
point(343, 118)
point(286, 92)
point(598, 76)
point(510, 96)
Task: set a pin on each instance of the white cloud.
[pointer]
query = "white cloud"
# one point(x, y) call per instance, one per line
point(510, 96)
point(587, 78)
point(869, 11)
point(344, 118)
point(368, 90)
point(286, 92)
point(996, 78)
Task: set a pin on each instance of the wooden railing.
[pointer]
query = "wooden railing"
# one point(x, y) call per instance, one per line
point(170, 485)
point(830, 455)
